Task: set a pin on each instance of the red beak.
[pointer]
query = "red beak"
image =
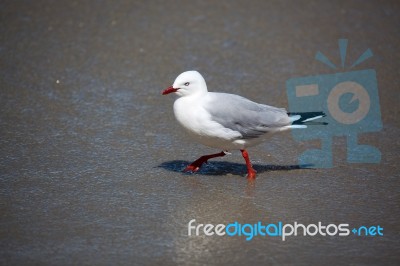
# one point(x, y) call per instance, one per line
point(169, 90)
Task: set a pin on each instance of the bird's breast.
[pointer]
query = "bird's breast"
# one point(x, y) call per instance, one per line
point(189, 114)
point(201, 127)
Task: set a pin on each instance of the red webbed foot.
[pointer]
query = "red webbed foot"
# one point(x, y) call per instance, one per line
point(251, 174)
point(195, 166)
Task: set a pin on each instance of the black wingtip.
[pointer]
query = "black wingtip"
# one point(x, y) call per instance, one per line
point(307, 116)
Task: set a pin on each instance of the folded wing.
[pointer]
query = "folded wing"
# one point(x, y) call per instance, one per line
point(242, 115)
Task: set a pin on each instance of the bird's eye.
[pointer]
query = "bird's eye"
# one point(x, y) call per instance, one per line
point(187, 84)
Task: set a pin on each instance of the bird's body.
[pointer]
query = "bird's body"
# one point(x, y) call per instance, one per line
point(227, 121)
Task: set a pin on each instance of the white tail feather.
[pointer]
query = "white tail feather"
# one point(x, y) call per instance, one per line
point(297, 126)
point(312, 118)
point(294, 118)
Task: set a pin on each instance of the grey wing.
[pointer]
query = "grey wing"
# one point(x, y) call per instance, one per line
point(240, 114)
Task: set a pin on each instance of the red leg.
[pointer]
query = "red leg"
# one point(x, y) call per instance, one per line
point(195, 166)
point(251, 173)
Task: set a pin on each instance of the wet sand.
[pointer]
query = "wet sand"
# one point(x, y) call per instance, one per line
point(91, 156)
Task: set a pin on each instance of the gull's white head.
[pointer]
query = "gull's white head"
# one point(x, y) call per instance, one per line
point(188, 83)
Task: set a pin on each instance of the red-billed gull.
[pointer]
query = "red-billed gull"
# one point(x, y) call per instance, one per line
point(227, 121)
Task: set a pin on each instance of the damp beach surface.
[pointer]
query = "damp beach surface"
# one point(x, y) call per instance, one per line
point(91, 156)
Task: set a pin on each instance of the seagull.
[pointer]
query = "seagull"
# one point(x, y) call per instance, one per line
point(228, 121)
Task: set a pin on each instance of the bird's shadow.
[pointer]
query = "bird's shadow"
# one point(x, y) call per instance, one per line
point(224, 168)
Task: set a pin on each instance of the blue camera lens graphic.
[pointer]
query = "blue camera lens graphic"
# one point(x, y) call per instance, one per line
point(351, 102)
